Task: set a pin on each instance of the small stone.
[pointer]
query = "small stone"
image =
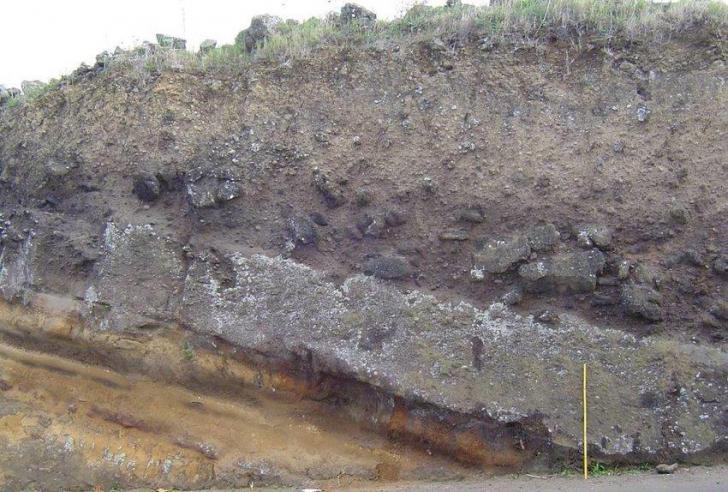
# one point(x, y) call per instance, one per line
point(454, 235)
point(547, 316)
point(363, 197)
point(146, 187)
point(623, 269)
point(643, 114)
point(543, 237)
point(512, 297)
point(472, 215)
point(207, 45)
point(394, 218)
point(226, 191)
point(332, 193)
point(597, 234)
point(679, 214)
point(319, 219)
point(301, 230)
point(720, 310)
point(720, 265)
point(387, 267)
point(167, 41)
point(665, 469)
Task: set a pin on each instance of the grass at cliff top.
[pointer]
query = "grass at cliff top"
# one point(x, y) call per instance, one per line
point(517, 21)
point(513, 20)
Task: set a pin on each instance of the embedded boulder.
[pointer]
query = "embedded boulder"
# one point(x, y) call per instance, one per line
point(387, 267)
point(500, 255)
point(642, 301)
point(566, 272)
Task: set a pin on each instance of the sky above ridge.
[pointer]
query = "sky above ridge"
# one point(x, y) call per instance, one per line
point(43, 39)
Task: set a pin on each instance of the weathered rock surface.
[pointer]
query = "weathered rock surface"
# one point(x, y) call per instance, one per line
point(500, 255)
point(572, 272)
point(261, 27)
point(352, 13)
point(642, 300)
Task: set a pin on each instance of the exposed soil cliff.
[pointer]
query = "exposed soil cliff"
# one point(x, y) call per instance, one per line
point(431, 237)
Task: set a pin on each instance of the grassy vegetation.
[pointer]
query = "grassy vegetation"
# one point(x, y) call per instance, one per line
point(512, 21)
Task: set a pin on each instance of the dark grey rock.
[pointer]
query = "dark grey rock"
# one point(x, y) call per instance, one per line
point(352, 13)
point(211, 187)
point(512, 297)
point(319, 219)
point(261, 28)
point(474, 215)
point(543, 237)
point(720, 310)
point(641, 301)
point(665, 469)
point(500, 255)
point(207, 45)
point(363, 197)
point(332, 192)
point(166, 41)
point(598, 235)
point(720, 265)
point(227, 190)
point(648, 275)
point(571, 272)
point(679, 214)
point(301, 230)
point(376, 226)
point(387, 267)
point(394, 218)
point(146, 187)
point(547, 316)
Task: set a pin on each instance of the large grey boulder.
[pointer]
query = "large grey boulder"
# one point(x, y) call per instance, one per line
point(500, 255)
point(641, 301)
point(261, 28)
point(352, 13)
point(565, 272)
point(167, 41)
point(207, 45)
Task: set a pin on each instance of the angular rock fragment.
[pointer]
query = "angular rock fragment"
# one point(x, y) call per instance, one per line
point(500, 255)
point(570, 272)
point(146, 187)
point(331, 191)
point(387, 267)
point(352, 13)
point(261, 28)
point(543, 237)
point(641, 301)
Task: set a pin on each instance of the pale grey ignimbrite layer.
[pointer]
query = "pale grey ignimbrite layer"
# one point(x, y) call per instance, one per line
point(413, 345)
point(648, 396)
